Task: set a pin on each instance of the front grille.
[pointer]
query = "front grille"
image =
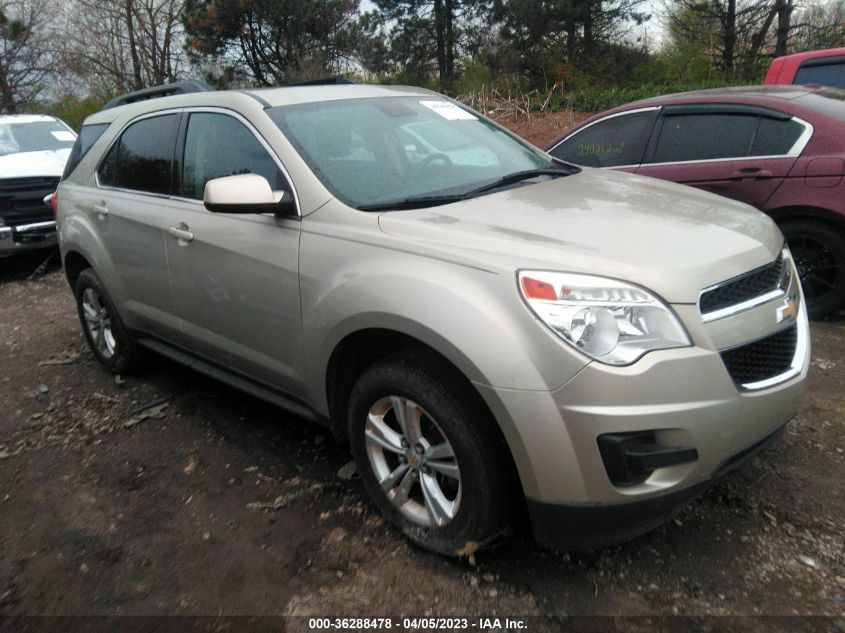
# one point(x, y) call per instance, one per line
point(22, 199)
point(742, 288)
point(763, 359)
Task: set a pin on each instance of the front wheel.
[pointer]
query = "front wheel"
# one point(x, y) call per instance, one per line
point(429, 456)
point(819, 254)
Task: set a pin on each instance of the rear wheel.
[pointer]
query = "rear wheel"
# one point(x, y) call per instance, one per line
point(428, 454)
point(107, 336)
point(819, 254)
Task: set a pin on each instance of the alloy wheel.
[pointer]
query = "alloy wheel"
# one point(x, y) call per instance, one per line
point(98, 323)
point(413, 461)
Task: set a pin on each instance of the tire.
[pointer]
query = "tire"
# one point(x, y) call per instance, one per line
point(470, 511)
point(105, 332)
point(819, 254)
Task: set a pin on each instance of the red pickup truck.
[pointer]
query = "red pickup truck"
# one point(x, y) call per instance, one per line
point(825, 68)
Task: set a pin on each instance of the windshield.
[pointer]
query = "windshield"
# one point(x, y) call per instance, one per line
point(369, 151)
point(34, 136)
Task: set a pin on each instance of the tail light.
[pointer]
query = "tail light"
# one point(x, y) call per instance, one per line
point(54, 202)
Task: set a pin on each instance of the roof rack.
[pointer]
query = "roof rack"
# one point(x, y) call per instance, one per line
point(327, 81)
point(165, 90)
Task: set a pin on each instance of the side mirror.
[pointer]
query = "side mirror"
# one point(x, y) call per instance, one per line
point(245, 193)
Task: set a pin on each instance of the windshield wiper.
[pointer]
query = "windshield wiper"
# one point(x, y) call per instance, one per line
point(416, 202)
point(516, 177)
point(419, 202)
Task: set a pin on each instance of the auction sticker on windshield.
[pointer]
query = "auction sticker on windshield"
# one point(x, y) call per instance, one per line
point(449, 111)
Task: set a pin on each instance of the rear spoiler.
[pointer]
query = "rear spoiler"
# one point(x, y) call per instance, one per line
point(165, 90)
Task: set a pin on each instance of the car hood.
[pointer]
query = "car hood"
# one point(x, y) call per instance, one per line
point(672, 239)
point(24, 164)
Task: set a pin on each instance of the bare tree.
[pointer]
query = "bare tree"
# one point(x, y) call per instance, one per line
point(121, 45)
point(25, 51)
point(160, 45)
point(821, 24)
point(784, 9)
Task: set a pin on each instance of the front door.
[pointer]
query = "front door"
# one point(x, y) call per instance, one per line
point(234, 277)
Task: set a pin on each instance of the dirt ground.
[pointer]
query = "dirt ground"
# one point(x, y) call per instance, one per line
point(541, 128)
point(165, 493)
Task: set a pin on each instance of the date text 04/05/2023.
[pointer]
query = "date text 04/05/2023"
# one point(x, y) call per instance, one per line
point(418, 624)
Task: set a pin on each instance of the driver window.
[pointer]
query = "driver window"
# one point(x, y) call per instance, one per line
point(612, 142)
point(218, 145)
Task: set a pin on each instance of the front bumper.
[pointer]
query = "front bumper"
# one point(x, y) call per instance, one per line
point(592, 526)
point(22, 237)
point(685, 396)
point(681, 397)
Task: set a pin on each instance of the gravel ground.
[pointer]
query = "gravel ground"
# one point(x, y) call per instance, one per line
point(165, 493)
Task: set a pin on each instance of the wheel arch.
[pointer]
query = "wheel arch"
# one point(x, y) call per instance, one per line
point(824, 294)
point(364, 347)
point(816, 214)
point(74, 263)
point(81, 245)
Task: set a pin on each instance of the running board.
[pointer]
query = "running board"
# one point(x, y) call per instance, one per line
point(226, 377)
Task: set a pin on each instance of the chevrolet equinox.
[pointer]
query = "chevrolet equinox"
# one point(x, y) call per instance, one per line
point(493, 331)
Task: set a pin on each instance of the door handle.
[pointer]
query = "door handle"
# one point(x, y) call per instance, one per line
point(101, 209)
point(750, 173)
point(181, 231)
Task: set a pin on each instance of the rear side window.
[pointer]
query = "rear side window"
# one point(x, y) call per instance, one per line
point(690, 137)
point(775, 138)
point(218, 145)
point(613, 142)
point(88, 135)
point(831, 74)
point(142, 160)
point(704, 137)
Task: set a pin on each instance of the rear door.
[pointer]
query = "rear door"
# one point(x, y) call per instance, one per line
point(740, 152)
point(128, 206)
point(235, 277)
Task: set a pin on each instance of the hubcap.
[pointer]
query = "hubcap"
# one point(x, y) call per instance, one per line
point(413, 461)
point(98, 323)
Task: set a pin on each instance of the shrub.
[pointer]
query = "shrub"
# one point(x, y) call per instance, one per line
point(599, 99)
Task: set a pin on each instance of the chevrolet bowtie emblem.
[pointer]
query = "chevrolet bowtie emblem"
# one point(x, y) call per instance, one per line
point(788, 310)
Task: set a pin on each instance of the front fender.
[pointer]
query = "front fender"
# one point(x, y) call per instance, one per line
point(473, 317)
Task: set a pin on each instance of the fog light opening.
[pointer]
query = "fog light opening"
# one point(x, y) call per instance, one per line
point(631, 458)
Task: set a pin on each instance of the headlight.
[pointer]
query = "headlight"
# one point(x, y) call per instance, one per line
point(609, 320)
